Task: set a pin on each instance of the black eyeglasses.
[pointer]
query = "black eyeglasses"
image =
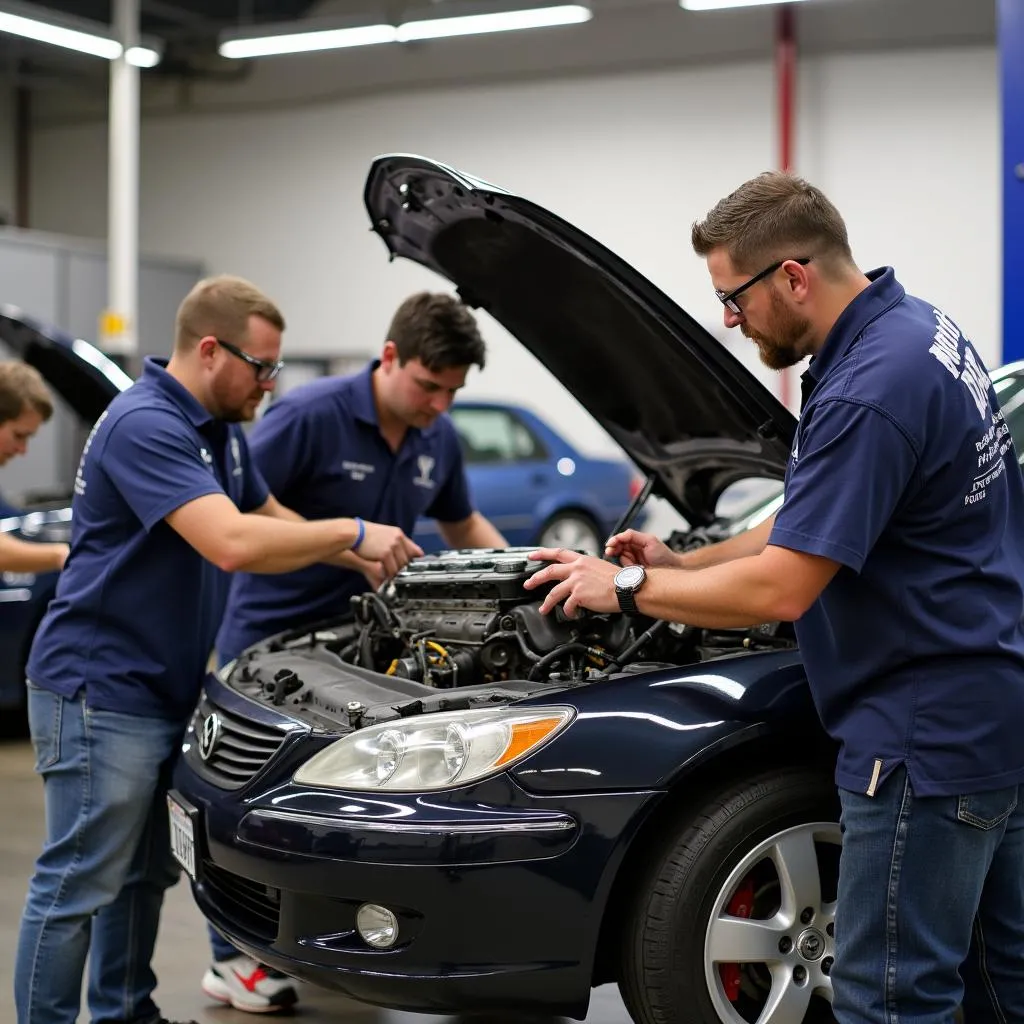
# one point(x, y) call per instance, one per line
point(729, 300)
point(266, 369)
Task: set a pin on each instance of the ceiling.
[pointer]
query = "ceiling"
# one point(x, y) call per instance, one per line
point(188, 28)
point(625, 34)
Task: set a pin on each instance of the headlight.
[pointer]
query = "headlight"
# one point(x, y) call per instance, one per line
point(433, 751)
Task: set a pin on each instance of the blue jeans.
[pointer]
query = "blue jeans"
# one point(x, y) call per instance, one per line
point(219, 946)
point(931, 907)
point(99, 882)
point(222, 949)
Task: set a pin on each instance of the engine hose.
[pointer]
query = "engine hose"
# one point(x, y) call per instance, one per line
point(553, 656)
point(509, 634)
point(365, 647)
point(381, 611)
point(623, 656)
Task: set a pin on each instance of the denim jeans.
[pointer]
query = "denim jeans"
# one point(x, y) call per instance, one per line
point(221, 948)
point(99, 882)
point(931, 907)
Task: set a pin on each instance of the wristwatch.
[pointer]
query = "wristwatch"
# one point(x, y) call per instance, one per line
point(628, 580)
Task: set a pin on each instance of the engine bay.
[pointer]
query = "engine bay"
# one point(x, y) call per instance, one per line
point(462, 618)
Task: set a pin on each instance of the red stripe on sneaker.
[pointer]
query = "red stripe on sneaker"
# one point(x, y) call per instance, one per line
point(253, 980)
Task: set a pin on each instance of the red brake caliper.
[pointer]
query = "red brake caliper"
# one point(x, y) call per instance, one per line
point(741, 905)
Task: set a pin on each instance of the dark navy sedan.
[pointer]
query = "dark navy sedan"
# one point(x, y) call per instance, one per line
point(455, 804)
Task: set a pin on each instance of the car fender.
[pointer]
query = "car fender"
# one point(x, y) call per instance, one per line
point(630, 733)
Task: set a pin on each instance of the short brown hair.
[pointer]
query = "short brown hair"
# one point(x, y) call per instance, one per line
point(221, 306)
point(21, 386)
point(772, 217)
point(438, 330)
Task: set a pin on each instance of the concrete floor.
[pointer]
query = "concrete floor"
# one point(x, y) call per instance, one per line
point(181, 954)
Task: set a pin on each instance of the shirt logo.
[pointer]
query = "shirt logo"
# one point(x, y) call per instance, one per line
point(426, 464)
point(236, 455)
point(960, 360)
point(795, 453)
point(206, 456)
point(80, 474)
point(357, 470)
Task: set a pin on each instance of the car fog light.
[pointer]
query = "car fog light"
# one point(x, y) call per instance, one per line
point(376, 925)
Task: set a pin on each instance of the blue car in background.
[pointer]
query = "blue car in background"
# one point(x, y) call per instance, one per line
point(532, 484)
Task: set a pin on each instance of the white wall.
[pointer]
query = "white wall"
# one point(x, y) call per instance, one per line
point(905, 142)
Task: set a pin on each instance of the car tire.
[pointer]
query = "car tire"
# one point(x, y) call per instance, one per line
point(575, 531)
point(767, 851)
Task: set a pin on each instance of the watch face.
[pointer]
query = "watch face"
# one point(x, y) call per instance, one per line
point(630, 577)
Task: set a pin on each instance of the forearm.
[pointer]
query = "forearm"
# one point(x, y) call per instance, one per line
point(263, 544)
point(27, 556)
point(744, 591)
point(346, 559)
point(743, 545)
point(476, 531)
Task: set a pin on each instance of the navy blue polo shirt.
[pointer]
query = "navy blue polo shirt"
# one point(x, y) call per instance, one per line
point(320, 449)
point(137, 608)
point(904, 472)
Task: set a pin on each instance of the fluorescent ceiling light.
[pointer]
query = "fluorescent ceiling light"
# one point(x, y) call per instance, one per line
point(304, 42)
point(721, 5)
point(506, 21)
point(142, 56)
point(290, 38)
point(72, 33)
point(70, 39)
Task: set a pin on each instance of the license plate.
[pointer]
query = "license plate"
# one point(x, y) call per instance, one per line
point(183, 836)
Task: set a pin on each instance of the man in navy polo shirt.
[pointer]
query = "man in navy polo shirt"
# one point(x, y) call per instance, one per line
point(166, 501)
point(375, 444)
point(899, 553)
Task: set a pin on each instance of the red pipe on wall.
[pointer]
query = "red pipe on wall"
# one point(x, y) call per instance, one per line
point(785, 88)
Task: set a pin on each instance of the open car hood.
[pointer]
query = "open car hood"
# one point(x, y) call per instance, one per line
point(79, 372)
point(682, 408)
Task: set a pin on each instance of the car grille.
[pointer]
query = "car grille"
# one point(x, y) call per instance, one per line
point(250, 906)
point(235, 749)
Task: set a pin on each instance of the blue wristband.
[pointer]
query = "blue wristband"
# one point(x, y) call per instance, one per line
point(360, 535)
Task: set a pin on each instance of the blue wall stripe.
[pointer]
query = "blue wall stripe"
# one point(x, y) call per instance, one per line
point(1011, 74)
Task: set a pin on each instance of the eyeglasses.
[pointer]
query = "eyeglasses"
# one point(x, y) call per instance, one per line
point(729, 299)
point(266, 369)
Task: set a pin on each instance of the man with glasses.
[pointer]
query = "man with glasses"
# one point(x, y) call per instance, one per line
point(167, 503)
point(899, 553)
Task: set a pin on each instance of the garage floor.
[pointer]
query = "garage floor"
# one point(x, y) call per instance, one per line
point(181, 954)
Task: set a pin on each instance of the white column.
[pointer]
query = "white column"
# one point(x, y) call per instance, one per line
point(119, 323)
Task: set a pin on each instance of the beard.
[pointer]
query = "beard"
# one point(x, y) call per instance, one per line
point(784, 341)
point(231, 409)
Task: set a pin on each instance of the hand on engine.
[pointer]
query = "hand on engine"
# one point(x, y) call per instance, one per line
point(374, 574)
point(583, 581)
point(389, 546)
point(635, 548)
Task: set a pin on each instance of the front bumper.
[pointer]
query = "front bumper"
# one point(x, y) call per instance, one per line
point(499, 893)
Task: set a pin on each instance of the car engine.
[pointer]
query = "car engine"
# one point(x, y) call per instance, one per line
point(462, 618)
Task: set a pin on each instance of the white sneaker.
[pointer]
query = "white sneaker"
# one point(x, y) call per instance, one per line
point(246, 985)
